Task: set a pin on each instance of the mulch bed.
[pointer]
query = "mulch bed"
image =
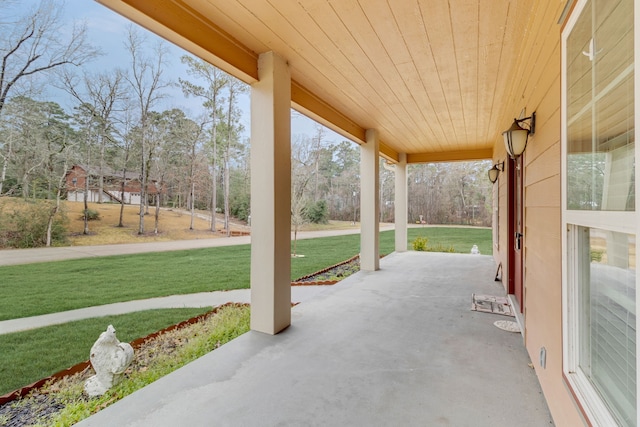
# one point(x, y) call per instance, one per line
point(330, 275)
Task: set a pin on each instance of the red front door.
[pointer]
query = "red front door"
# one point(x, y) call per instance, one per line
point(516, 230)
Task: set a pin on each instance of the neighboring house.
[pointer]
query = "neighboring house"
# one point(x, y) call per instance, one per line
point(111, 188)
point(440, 80)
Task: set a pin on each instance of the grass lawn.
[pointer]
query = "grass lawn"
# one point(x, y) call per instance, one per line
point(32, 355)
point(462, 239)
point(42, 288)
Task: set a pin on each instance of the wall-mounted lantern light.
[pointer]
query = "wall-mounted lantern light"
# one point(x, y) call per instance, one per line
point(515, 138)
point(495, 171)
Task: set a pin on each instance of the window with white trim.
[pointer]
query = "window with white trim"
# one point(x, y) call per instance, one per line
point(599, 212)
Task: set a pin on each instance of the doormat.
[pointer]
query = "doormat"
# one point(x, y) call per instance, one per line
point(507, 325)
point(491, 304)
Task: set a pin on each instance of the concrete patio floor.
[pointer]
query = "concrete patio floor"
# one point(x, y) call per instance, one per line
point(399, 346)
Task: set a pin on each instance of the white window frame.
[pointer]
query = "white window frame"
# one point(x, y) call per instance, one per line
point(624, 222)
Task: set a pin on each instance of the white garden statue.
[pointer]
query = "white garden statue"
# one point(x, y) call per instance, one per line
point(109, 358)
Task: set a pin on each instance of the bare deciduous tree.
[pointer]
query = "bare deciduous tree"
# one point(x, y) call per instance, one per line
point(233, 128)
point(34, 44)
point(147, 84)
point(103, 95)
point(302, 166)
point(215, 80)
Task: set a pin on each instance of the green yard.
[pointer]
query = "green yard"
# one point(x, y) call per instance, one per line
point(34, 289)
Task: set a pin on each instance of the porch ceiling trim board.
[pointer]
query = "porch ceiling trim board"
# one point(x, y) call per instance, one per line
point(311, 105)
point(451, 156)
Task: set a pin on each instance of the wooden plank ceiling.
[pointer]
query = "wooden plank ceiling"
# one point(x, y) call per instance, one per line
point(429, 75)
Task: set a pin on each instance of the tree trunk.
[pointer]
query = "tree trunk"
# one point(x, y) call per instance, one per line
point(295, 240)
point(52, 214)
point(192, 197)
point(56, 207)
point(4, 172)
point(226, 164)
point(146, 182)
point(85, 231)
point(122, 187)
point(213, 197)
point(143, 184)
point(25, 186)
point(227, 225)
point(157, 221)
point(214, 185)
point(100, 172)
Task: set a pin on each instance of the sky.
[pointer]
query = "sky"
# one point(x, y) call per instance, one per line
point(108, 29)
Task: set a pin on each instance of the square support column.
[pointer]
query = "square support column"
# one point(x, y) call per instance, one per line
point(271, 196)
point(401, 211)
point(370, 202)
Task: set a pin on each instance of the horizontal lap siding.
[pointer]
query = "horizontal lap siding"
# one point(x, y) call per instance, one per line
point(537, 88)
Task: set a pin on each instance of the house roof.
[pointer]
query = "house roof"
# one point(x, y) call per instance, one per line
point(108, 171)
point(430, 76)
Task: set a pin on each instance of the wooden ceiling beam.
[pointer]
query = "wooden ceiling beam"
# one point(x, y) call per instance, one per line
point(451, 156)
point(319, 110)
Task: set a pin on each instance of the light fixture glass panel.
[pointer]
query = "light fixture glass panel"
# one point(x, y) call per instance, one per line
point(493, 174)
point(515, 140)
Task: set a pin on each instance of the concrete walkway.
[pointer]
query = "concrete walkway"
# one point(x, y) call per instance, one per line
point(28, 256)
point(202, 299)
point(396, 347)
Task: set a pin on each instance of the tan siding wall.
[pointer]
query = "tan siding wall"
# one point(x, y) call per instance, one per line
point(537, 88)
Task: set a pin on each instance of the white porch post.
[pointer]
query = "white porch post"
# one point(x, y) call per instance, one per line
point(271, 196)
point(400, 205)
point(369, 202)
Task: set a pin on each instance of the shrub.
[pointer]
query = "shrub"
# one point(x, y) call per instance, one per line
point(239, 207)
point(27, 227)
point(92, 215)
point(317, 212)
point(420, 243)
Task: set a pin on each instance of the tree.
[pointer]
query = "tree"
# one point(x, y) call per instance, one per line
point(179, 151)
point(317, 143)
point(44, 151)
point(344, 181)
point(125, 142)
point(60, 157)
point(239, 203)
point(103, 96)
point(214, 82)
point(450, 193)
point(85, 119)
point(27, 120)
point(146, 82)
point(302, 166)
point(33, 44)
point(8, 129)
point(233, 130)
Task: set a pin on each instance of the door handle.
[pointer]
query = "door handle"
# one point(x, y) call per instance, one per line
point(518, 242)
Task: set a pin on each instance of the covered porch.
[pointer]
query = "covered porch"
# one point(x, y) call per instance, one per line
point(398, 346)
